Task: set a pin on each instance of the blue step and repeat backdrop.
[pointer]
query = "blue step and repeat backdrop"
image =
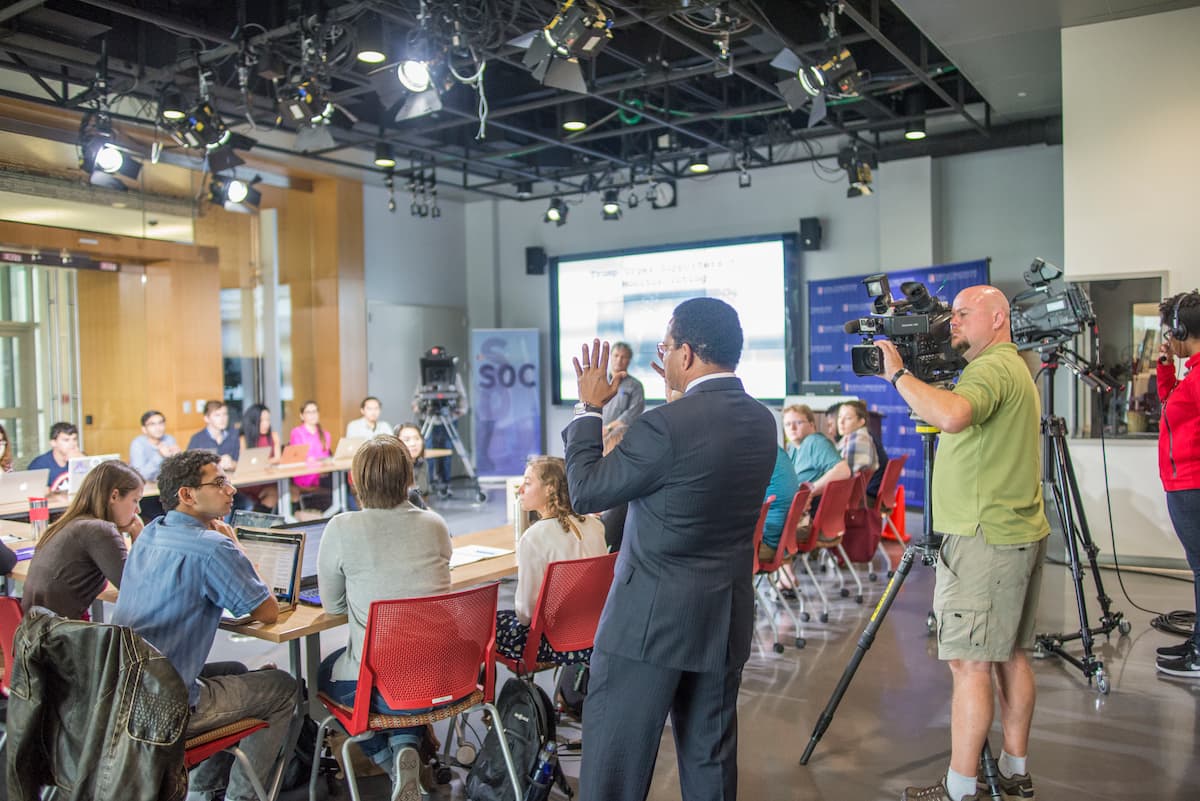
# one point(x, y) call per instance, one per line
point(830, 304)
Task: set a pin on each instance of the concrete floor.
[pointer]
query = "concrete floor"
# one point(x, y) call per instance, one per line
point(892, 728)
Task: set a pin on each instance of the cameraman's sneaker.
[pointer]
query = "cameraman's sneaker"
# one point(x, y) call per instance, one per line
point(1186, 666)
point(937, 792)
point(1012, 788)
point(1174, 651)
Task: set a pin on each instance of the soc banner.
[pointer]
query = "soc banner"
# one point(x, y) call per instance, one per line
point(505, 380)
point(830, 304)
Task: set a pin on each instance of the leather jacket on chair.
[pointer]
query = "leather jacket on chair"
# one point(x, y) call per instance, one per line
point(94, 711)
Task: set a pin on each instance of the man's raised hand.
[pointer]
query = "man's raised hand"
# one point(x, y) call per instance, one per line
point(595, 387)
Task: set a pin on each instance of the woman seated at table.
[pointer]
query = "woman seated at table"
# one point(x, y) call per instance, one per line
point(558, 535)
point(783, 485)
point(855, 444)
point(6, 452)
point(84, 548)
point(310, 433)
point(258, 419)
point(410, 435)
point(389, 550)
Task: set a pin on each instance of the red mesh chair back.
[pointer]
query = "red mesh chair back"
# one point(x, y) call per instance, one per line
point(758, 529)
point(420, 653)
point(568, 607)
point(829, 523)
point(10, 619)
point(787, 538)
point(888, 484)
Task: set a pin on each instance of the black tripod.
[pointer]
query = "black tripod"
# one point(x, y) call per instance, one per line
point(1060, 478)
point(927, 549)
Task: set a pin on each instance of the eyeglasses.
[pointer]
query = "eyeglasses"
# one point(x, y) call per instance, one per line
point(664, 348)
point(220, 483)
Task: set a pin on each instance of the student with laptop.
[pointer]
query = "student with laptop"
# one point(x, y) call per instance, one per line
point(369, 424)
point(85, 548)
point(187, 567)
point(215, 436)
point(6, 452)
point(257, 433)
point(154, 444)
point(389, 550)
point(64, 446)
point(310, 433)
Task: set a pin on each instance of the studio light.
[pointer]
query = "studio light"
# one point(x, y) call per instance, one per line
point(372, 48)
point(384, 157)
point(414, 75)
point(574, 117)
point(305, 104)
point(914, 111)
point(858, 172)
point(838, 70)
point(612, 205)
point(99, 155)
point(109, 159)
point(579, 30)
point(170, 104)
point(698, 164)
point(234, 194)
point(524, 189)
point(744, 179)
point(557, 213)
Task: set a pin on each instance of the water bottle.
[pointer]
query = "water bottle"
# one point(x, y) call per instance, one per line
point(543, 774)
point(39, 517)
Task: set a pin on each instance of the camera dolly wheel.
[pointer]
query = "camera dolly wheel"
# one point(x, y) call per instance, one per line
point(1124, 627)
point(1102, 682)
point(777, 648)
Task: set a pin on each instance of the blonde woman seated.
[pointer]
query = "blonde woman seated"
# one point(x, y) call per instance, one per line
point(84, 549)
point(389, 550)
point(558, 535)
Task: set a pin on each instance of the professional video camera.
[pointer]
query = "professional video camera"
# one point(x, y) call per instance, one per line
point(919, 325)
point(439, 384)
point(1049, 314)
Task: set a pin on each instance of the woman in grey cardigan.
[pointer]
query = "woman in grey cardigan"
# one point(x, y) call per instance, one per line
point(390, 549)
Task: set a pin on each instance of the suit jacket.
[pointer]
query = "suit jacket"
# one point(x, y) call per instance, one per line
point(694, 472)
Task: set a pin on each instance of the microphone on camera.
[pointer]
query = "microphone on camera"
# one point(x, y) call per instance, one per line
point(851, 326)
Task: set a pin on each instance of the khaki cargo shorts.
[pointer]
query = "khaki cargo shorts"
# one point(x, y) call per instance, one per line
point(985, 597)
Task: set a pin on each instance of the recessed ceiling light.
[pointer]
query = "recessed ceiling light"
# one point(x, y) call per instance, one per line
point(1022, 94)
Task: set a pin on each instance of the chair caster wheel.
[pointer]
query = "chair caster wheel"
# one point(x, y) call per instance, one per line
point(891, 573)
point(481, 496)
point(858, 599)
point(1124, 627)
point(824, 617)
point(805, 616)
point(872, 577)
point(800, 642)
point(777, 647)
point(845, 592)
point(443, 774)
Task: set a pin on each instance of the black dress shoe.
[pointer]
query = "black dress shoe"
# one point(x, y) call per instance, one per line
point(1174, 651)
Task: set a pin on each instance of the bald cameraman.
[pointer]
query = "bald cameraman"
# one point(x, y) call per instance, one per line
point(987, 501)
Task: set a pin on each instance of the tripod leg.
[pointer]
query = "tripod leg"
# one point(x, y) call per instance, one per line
point(991, 773)
point(865, 640)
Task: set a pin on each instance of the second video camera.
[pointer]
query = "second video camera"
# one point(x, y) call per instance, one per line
point(919, 325)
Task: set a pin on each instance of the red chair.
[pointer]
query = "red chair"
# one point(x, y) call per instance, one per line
point(226, 738)
point(568, 610)
point(828, 526)
point(768, 571)
point(10, 619)
point(884, 506)
point(417, 653)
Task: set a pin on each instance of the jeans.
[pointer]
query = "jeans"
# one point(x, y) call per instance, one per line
point(1184, 508)
point(224, 699)
point(380, 747)
point(439, 469)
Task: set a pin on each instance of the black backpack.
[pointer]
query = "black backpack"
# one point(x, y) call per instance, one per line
point(528, 718)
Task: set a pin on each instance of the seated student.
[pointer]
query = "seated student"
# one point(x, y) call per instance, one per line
point(813, 456)
point(856, 445)
point(186, 568)
point(877, 476)
point(310, 433)
point(783, 485)
point(410, 435)
point(389, 550)
point(216, 436)
point(64, 446)
point(258, 419)
point(369, 424)
point(559, 534)
point(6, 452)
point(84, 549)
point(154, 444)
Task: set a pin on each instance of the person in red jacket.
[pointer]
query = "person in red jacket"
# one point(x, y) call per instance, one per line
point(1179, 453)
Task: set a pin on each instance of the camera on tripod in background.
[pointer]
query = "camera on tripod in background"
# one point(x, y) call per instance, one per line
point(919, 325)
point(1051, 312)
point(439, 384)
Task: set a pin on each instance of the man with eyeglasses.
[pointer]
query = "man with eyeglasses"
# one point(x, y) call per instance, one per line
point(677, 625)
point(187, 568)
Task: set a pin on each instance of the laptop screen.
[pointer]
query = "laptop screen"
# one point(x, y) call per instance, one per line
point(276, 557)
point(313, 529)
point(244, 518)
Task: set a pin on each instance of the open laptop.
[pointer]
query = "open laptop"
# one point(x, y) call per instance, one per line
point(18, 487)
point(313, 530)
point(293, 455)
point(80, 466)
point(253, 460)
point(277, 556)
point(245, 518)
point(347, 447)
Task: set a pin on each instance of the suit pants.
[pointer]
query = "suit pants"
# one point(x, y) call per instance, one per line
point(627, 705)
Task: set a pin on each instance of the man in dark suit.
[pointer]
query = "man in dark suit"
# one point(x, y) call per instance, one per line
point(677, 624)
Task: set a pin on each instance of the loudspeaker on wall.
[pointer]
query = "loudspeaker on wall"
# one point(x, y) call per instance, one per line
point(535, 261)
point(810, 233)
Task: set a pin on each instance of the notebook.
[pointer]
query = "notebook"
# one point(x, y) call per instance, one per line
point(293, 455)
point(347, 447)
point(19, 486)
point(253, 460)
point(277, 556)
point(313, 531)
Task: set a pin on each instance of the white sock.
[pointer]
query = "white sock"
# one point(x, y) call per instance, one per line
point(958, 785)
point(1010, 765)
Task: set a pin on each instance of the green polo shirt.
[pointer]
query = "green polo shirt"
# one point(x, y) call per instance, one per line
point(990, 474)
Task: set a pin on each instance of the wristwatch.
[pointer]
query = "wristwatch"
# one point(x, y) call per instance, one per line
point(903, 371)
point(586, 408)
